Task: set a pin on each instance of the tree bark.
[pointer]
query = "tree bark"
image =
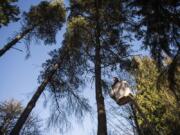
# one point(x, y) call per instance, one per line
point(19, 124)
point(102, 123)
point(173, 67)
point(138, 130)
point(152, 129)
point(1, 130)
point(25, 114)
point(14, 41)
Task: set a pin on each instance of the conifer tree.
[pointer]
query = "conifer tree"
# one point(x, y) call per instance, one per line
point(62, 80)
point(93, 44)
point(9, 12)
point(9, 113)
point(157, 24)
point(94, 31)
point(41, 22)
point(158, 104)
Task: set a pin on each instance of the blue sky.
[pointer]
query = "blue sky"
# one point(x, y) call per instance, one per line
point(18, 76)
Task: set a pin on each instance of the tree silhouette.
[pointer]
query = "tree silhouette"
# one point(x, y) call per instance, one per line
point(159, 105)
point(157, 23)
point(94, 32)
point(65, 90)
point(41, 22)
point(9, 12)
point(9, 113)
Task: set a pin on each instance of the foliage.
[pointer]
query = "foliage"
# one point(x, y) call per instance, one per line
point(97, 39)
point(9, 12)
point(159, 105)
point(65, 88)
point(80, 41)
point(46, 19)
point(173, 71)
point(156, 22)
point(42, 22)
point(9, 113)
point(82, 27)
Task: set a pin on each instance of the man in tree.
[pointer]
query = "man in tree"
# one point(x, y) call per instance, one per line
point(115, 80)
point(94, 44)
point(94, 26)
point(120, 91)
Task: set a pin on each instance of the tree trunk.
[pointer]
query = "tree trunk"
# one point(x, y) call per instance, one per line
point(19, 124)
point(172, 71)
point(152, 129)
point(14, 41)
point(22, 119)
point(1, 130)
point(102, 124)
point(138, 130)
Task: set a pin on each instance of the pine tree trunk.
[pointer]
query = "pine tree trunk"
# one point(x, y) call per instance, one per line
point(32, 103)
point(25, 114)
point(138, 130)
point(1, 130)
point(173, 68)
point(14, 41)
point(102, 123)
point(152, 129)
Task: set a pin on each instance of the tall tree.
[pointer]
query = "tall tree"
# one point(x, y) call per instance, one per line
point(157, 23)
point(159, 105)
point(10, 112)
point(173, 71)
point(9, 12)
point(66, 98)
point(94, 31)
point(41, 22)
point(102, 124)
point(92, 45)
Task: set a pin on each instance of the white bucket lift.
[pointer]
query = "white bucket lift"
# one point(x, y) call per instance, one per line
point(122, 94)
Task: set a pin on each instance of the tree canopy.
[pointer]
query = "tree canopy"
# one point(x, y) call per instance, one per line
point(99, 43)
point(157, 23)
point(9, 12)
point(42, 22)
point(9, 113)
point(158, 103)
